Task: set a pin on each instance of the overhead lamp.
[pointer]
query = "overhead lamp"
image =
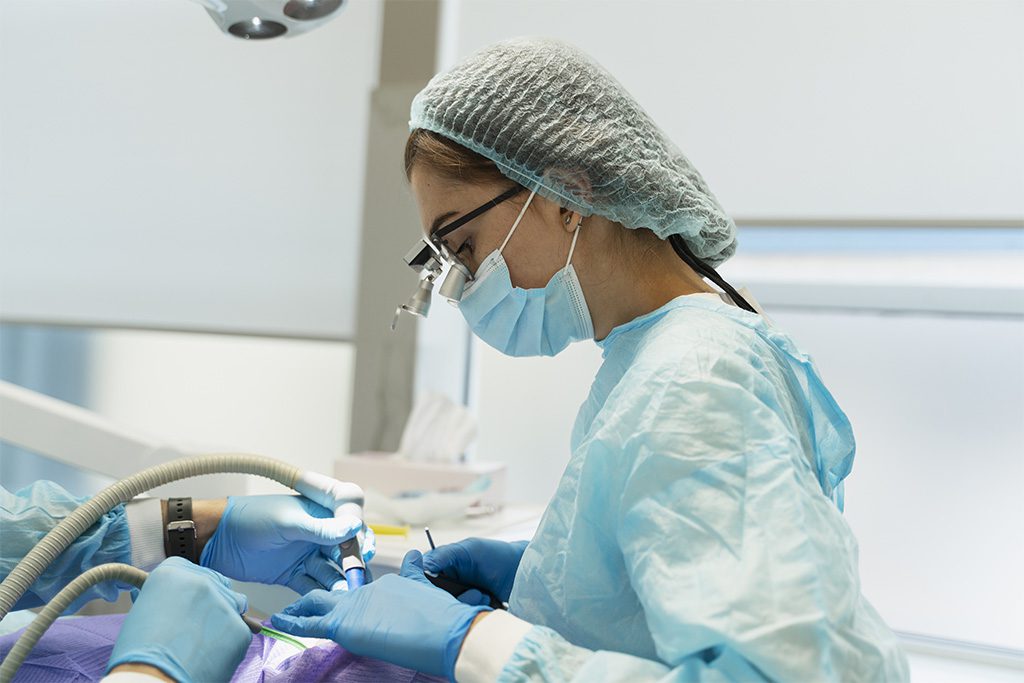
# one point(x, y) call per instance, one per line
point(263, 19)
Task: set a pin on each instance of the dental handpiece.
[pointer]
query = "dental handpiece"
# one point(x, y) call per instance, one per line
point(352, 565)
point(351, 560)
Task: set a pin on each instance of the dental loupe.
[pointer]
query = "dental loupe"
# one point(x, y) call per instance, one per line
point(433, 261)
point(262, 19)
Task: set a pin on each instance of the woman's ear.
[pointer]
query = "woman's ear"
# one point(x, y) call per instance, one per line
point(577, 184)
point(570, 219)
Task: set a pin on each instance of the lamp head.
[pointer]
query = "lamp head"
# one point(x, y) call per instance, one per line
point(262, 19)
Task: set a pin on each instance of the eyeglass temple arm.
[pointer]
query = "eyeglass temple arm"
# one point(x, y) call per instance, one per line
point(459, 222)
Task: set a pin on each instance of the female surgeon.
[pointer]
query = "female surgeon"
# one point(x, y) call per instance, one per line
point(696, 533)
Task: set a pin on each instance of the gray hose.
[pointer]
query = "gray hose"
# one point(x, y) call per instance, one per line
point(74, 525)
point(105, 572)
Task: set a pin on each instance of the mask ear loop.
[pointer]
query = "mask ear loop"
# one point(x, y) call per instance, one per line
point(572, 247)
point(515, 225)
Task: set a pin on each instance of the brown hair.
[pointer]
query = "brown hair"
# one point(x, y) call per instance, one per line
point(449, 158)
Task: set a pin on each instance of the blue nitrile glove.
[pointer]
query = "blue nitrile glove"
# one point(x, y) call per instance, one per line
point(282, 539)
point(402, 619)
point(480, 562)
point(185, 622)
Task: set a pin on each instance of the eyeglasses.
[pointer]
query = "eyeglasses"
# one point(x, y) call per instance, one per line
point(431, 258)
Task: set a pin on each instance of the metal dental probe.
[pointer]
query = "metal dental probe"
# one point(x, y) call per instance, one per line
point(454, 587)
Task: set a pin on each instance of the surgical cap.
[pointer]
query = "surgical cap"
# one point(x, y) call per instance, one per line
point(553, 119)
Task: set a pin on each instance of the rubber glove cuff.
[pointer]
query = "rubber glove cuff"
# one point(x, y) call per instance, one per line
point(457, 630)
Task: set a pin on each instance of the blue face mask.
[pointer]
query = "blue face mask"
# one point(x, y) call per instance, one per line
point(526, 322)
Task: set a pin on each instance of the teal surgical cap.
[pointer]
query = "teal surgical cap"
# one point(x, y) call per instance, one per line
point(553, 119)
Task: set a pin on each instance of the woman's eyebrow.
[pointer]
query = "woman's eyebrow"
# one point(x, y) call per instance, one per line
point(441, 219)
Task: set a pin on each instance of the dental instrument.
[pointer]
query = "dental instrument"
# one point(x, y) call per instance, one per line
point(456, 588)
point(352, 565)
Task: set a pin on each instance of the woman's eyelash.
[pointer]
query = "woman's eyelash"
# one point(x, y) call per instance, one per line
point(467, 243)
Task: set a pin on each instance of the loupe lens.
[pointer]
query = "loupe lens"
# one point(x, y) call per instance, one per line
point(455, 283)
point(419, 302)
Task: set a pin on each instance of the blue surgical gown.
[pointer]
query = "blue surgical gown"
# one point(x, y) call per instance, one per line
point(29, 514)
point(696, 533)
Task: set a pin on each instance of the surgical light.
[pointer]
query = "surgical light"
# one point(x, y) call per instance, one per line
point(262, 19)
point(256, 29)
point(307, 10)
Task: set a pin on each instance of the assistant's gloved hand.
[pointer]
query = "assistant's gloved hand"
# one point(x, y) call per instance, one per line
point(481, 562)
point(185, 622)
point(402, 619)
point(281, 539)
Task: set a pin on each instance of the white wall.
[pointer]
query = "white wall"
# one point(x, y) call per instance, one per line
point(526, 408)
point(937, 405)
point(221, 178)
point(898, 109)
point(287, 399)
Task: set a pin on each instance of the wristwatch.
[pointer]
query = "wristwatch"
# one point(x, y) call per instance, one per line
point(180, 539)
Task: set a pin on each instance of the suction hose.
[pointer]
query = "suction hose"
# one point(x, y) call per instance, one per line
point(114, 571)
point(343, 498)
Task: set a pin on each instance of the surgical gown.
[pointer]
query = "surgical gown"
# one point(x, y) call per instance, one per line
point(29, 514)
point(696, 533)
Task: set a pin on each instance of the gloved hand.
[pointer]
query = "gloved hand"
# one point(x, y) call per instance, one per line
point(185, 622)
point(481, 562)
point(282, 539)
point(401, 619)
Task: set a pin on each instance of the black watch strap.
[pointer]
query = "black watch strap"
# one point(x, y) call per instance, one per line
point(180, 537)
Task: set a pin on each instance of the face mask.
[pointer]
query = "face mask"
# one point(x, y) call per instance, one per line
point(526, 322)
